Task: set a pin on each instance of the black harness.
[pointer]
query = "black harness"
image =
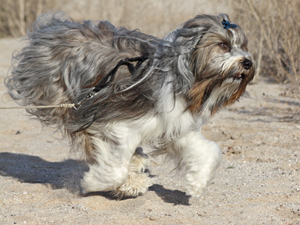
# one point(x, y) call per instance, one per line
point(104, 82)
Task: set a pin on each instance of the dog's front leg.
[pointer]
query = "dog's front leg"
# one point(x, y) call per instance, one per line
point(200, 158)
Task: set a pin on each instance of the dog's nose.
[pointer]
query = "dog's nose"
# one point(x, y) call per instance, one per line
point(247, 64)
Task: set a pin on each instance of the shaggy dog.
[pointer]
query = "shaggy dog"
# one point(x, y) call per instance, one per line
point(131, 89)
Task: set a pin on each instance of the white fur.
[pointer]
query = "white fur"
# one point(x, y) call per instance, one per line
point(226, 89)
point(120, 168)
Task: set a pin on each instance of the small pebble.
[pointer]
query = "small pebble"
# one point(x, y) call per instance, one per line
point(152, 218)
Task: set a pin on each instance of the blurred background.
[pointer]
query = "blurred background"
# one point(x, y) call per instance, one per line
point(272, 26)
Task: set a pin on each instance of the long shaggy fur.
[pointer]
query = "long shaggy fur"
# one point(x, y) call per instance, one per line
point(188, 76)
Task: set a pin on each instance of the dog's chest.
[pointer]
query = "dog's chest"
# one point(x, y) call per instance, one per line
point(169, 123)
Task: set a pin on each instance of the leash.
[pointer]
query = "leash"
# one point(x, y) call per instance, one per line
point(102, 84)
point(65, 106)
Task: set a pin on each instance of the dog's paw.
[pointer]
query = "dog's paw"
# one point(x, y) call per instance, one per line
point(136, 184)
point(196, 185)
point(196, 190)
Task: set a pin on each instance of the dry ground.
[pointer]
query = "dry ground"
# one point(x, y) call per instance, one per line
point(257, 183)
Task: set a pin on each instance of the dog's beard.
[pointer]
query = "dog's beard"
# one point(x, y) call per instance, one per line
point(221, 79)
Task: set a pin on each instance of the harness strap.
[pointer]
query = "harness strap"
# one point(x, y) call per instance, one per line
point(111, 75)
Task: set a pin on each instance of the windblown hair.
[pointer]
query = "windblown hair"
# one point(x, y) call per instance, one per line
point(194, 71)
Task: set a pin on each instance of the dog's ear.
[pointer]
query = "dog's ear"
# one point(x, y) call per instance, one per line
point(187, 35)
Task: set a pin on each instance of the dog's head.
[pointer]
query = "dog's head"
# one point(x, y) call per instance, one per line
point(219, 61)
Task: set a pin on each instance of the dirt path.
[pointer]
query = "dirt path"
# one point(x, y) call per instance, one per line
point(257, 183)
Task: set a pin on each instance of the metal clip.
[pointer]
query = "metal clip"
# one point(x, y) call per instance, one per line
point(87, 97)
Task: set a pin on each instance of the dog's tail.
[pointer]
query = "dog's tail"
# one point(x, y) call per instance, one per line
point(61, 61)
point(40, 73)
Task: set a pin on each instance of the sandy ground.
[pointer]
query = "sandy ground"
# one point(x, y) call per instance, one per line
point(257, 183)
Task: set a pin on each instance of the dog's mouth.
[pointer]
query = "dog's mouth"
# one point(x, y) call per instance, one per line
point(240, 76)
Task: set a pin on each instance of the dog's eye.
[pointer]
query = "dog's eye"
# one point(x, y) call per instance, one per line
point(224, 46)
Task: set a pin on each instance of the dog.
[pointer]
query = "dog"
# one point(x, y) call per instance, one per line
point(131, 91)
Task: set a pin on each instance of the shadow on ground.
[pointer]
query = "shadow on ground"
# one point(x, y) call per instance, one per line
point(67, 174)
point(171, 196)
point(33, 169)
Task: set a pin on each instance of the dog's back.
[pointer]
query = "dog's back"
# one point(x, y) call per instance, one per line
point(64, 59)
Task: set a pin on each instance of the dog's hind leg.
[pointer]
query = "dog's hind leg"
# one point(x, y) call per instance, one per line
point(199, 158)
point(117, 164)
point(138, 180)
